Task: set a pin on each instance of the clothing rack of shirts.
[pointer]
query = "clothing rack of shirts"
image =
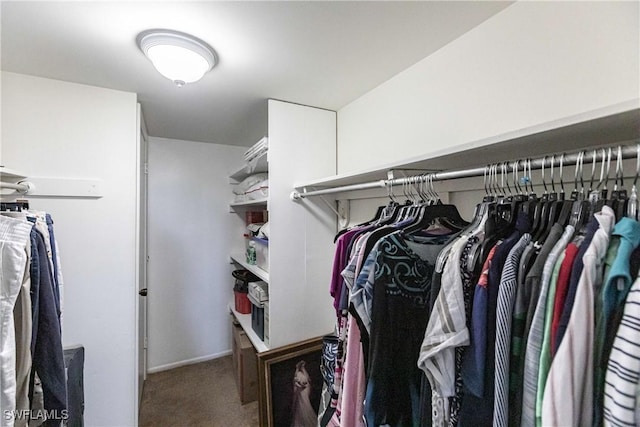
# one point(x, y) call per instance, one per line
point(33, 378)
point(524, 316)
point(548, 161)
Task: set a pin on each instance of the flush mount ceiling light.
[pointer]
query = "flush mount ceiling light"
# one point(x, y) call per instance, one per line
point(178, 56)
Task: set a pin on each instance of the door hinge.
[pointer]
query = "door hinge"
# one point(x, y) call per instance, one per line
point(146, 342)
point(146, 168)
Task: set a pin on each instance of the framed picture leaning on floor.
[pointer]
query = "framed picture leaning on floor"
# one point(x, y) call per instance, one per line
point(290, 384)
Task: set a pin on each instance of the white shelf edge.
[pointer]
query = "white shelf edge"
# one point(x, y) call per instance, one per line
point(11, 173)
point(256, 202)
point(245, 323)
point(242, 172)
point(557, 134)
point(240, 259)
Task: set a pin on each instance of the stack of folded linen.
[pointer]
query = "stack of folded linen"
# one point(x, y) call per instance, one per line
point(257, 150)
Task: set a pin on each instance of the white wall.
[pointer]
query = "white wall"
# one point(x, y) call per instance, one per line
point(190, 233)
point(532, 63)
point(58, 129)
point(301, 148)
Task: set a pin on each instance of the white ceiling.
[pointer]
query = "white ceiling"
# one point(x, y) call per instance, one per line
point(324, 53)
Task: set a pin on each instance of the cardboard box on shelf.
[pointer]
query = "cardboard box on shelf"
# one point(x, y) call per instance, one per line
point(252, 217)
point(245, 365)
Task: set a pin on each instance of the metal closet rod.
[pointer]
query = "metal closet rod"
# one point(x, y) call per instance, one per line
point(628, 151)
point(21, 187)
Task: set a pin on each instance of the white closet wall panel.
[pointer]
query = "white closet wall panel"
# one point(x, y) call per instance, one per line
point(190, 233)
point(302, 146)
point(533, 63)
point(66, 130)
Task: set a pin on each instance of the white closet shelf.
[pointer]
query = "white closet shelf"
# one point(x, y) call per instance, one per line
point(250, 203)
point(245, 323)
point(591, 129)
point(10, 173)
point(241, 259)
point(244, 171)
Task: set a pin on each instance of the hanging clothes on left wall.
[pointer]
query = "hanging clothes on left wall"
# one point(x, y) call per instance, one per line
point(33, 378)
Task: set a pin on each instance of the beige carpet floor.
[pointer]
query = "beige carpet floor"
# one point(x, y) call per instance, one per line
point(199, 395)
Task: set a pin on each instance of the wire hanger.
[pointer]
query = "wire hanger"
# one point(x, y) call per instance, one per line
point(632, 202)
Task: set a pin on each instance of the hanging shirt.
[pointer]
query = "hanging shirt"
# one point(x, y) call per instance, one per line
point(404, 267)
point(561, 291)
point(621, 399)
point(14, 237)
point(545, 349)
point(576, 272)
point(447, 327)
point(468, 286)
point(534, 339)
point(472, 375)
point(614, 294)
point(478, 411)
point(361, 296)
point(568, 393)
point(351, 399)
point(506, 301)
point(526, 298)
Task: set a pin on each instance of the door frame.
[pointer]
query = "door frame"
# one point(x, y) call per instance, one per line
point(142, 259)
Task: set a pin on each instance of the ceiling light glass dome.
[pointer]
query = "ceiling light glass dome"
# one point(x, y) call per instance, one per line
point(178, 56)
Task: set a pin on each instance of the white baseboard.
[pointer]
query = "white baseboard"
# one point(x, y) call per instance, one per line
point(188, 362)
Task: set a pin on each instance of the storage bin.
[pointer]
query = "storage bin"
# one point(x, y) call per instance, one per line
point(259, 292)
point(257, 318)
point(242, 303)
point(262, 253)
point(241, 290)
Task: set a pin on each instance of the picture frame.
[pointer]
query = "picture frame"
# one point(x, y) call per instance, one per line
point(290, 384)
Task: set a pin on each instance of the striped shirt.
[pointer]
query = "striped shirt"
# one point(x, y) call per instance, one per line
point(568, 393)
point(623, 369)
point(534, 340)
point(506, 301)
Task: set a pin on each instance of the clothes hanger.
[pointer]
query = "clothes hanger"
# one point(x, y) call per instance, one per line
point(429, 213)
point(508, 205)
point(383, 213)
point(557, 207)
point(549, 208)
point(604, 200)
point(632, 203)
point(537, 209)
point(494, 226)
point(17, 206)
point(533, 199)
point(566, 205)
point(581, 206)
point(619, 195)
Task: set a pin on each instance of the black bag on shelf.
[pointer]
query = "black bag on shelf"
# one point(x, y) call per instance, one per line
point(243, 277)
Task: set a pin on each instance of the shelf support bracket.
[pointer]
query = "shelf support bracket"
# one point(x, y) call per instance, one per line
point(342, 217)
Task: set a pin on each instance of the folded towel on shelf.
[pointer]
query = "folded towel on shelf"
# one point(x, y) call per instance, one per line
point(257, 150)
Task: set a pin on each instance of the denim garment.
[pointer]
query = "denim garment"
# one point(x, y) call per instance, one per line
point(35, 286)
point(48, 357)
point(56, 267)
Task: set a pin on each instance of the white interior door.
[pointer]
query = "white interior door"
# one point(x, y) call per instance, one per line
point(143, 258)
